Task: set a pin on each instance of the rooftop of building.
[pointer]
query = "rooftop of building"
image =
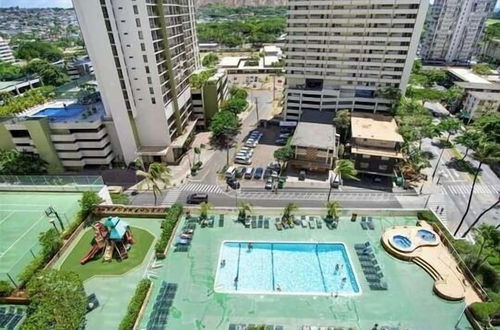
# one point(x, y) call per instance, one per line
point(374, 127)
point(8, 86)
point(66, 112)
point(467, 75)
point(436, 107)
point(486, 86)
point(486, 96)
point(321, 136)
point(230, 61)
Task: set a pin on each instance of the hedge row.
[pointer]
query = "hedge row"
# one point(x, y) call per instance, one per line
point(5, 289)
point(134, 307)
point(168, 225)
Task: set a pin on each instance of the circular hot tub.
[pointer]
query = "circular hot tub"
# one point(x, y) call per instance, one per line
point(426, 235)
point(401, 242)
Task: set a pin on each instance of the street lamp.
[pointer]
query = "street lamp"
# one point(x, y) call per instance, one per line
point(53, 222)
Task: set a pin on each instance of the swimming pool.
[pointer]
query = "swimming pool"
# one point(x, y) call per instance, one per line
point(285, 268)
point(401, 241)
point(426, 235)
point(69, 111)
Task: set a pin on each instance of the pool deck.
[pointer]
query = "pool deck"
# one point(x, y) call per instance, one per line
point(409, 303)
point(115, 291)
point(435, 259)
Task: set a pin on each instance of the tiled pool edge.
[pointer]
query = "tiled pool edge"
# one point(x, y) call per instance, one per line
point(282, 293)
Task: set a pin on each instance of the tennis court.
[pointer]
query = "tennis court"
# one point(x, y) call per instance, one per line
point(22, 219)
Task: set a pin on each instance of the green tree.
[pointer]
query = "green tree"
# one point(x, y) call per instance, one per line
point(88, 202)
point(51, 242)
point(344, 169)
point(485, 153)
point(450, 125)
point(481, 69)
point(244, 208)
point(10, 71)
point(287, 212)
point(58, 300)
point(38, 49)
point(49, 73)
point(489, 237)
point(235, 105)
point(332, 209)
point(282, 156)
point(87, 93)
point(157, 173)
point(391, 93)
point(470, 139)
point(490, 126)
point(238, 93)
point(225, 126)
point(14, 162)
point(29, 99)
point(210, 60)
point(342, 121)
point(205, 207)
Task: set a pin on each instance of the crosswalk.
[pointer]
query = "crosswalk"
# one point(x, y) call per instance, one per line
point(202, 188)
point(284, 195)
point(464, 189)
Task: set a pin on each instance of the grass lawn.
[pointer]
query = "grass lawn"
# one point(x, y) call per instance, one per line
point(492, 21)
point(143, 240)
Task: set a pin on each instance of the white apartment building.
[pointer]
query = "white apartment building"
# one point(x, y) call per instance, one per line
point(6, 52)
point(143, 53)
point(339, 54)
point(453, 30)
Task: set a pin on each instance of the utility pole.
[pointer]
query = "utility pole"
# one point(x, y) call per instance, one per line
point(257, 109)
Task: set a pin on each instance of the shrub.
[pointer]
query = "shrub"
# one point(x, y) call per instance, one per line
point(484, 311)
point(490, 278)
point(88, 202)
point(120, 198)
point(168, 225)
point(134, 307)
point(5, 289)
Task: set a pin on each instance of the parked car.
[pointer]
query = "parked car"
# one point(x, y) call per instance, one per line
point(251, 143)
point(197, 198)
point(233, 183)
point(281, 141)
point(230, 172)
point(269, 184)
point(258, 173)
point(302, 175)
point(267, 173)
point(285, 135)
point(248, 173)
point(275, 166)
point(243, 160)
point(240, 171)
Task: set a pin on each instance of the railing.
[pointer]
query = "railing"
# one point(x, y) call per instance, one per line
point(463, 266)
point(50, 180)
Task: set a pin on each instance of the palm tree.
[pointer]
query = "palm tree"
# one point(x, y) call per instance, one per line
point(342, 121)
point(490, 242)
point(470, 139)
point(243, 209)
point(450, 126)
point(344, 169)
point(205, 207)
point(486, 152)
point(287, 211)
point(157, 172)
point(332, 209)
point(480, 216)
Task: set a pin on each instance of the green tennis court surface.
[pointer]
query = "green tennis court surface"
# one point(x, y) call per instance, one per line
point(22, 219)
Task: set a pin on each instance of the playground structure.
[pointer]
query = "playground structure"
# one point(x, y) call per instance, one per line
point(112, 236)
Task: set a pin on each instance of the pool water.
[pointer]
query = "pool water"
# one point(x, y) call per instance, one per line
point(401, 241)
point(67, 112)
point(300, 268)
point(426, 235)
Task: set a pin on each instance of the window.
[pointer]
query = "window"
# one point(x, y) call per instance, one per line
point(153, 100)
point(364, 165)
point(366, 156)
point(151, 91)
point(147, 69)
point(149, 80)
point(136, 10)
point(138, 22)
point(141, 36)
point(382, 167)
point(145, 58)
point(143, 47)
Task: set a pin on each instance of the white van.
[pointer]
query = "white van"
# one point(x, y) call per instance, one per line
point(230, 172)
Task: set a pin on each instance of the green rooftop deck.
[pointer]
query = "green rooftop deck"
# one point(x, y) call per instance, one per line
point(409, 303)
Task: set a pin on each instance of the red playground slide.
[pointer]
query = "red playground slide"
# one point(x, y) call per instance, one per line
point(93, 251)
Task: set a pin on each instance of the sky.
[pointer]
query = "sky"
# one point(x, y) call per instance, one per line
point(63, 3)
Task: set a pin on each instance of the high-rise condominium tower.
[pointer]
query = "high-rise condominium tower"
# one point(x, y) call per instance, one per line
point(453, 29)
point(342, 53)
point(143, 52)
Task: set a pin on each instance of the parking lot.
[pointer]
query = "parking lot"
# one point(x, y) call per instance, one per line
point(262, 155)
